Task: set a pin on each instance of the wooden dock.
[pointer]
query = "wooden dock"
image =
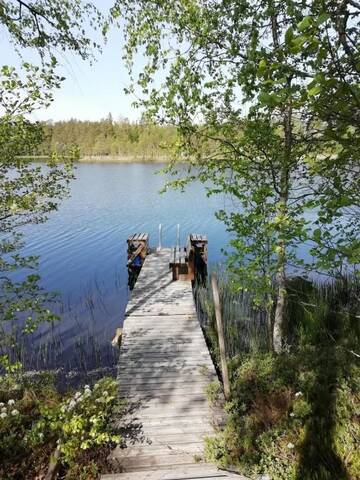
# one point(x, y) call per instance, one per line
point(164, 369)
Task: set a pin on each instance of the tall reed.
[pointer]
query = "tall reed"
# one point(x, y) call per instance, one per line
point(245, 326)
point(316, 313)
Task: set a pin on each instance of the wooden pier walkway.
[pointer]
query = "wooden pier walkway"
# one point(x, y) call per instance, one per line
point(164, 369)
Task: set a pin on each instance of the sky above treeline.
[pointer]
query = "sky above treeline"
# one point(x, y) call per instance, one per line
point(90, 92)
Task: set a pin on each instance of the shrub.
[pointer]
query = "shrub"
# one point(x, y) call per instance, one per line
point(35, 420)
point(292, 416)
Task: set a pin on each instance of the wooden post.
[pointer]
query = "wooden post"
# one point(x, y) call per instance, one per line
point(178, 235)
point(160, 238)
point(224, 369)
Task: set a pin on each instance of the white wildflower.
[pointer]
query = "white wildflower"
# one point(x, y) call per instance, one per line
point(14, 412)
point(292, 414)
point(2, 404)
point(87, 387)
point(71, 405)
point(78, 399)
point(105, 393)
point(3, 415)
point(290, 445)
point(11, 402)
point(3, 410)
point(77, 395)
point(87, 392)
point(41, 436)
point(298, 394)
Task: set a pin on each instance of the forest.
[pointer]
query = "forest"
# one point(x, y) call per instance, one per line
point(120, 140)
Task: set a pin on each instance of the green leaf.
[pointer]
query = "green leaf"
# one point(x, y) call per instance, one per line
point(289, 35)
point(305, 23)
point(314, 90)
point(323, 17)
point(262, 67)
point(269, 99)
point(317, 234)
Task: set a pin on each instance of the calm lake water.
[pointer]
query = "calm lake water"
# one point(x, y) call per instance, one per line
point(82, 250)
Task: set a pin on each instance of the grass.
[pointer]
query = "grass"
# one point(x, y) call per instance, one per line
point(293, 416)
point(245, 327)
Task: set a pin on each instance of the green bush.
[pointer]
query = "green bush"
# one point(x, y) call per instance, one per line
point(292, 417)
point(35, 420)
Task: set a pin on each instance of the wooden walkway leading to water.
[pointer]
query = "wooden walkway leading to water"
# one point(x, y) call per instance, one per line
point(164, 369)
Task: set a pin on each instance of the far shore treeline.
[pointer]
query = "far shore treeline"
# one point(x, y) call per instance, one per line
point(107, 139)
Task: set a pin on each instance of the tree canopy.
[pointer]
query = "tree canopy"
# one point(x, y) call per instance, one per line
point(29, 192)
point(264, 96)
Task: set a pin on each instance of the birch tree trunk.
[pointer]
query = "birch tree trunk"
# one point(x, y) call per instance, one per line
point(283, 207)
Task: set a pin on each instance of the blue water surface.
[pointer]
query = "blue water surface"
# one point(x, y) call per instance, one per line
point(82, 247)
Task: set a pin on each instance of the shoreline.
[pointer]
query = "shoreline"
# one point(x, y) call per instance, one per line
point(120, 159)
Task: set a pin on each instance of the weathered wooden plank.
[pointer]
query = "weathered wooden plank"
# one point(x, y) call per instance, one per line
point(195, 422)
point(162, 390)
point(160, 437)
point(167, 415)
point(174, 350)
point(142, 379)
point(172, 448)
point(146, 461)
point(165, 368)
point(179, 473)
point(145, 336)
point(189, 472)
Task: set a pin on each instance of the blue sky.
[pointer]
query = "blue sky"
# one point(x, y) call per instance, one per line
point(89, 92)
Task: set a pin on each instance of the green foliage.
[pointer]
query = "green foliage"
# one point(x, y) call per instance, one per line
point(277, 414)
point(35, 419)
point(213, 392)
point(265, 98)
point(295, 416)
point(107, 138)
point(50, 27)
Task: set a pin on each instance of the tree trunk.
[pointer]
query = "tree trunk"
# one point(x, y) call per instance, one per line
point(283, 207)
point(280, 304)
point(269, 322)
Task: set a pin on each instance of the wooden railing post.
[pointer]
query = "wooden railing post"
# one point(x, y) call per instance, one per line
point(220, 329)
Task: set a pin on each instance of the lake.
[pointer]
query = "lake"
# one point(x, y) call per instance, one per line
point(82, 249)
